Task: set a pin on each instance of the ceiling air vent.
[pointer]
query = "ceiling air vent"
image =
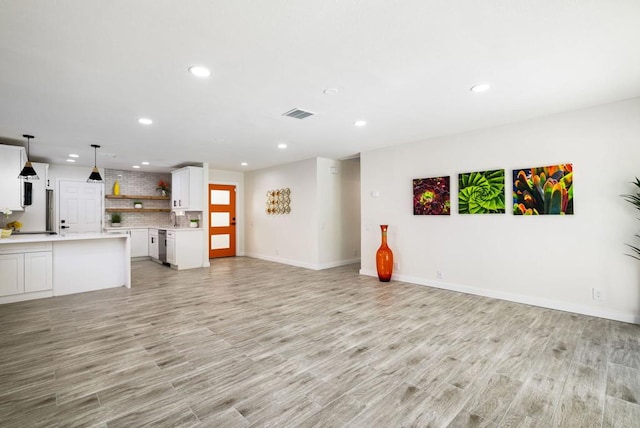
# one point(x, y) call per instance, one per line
point(298, 114)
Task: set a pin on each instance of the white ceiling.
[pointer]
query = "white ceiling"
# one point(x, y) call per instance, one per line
point(81, 72)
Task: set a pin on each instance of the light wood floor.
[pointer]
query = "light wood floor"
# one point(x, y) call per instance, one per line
point(253, 343)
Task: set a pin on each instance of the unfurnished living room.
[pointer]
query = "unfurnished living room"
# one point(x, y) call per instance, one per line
point(334, 214)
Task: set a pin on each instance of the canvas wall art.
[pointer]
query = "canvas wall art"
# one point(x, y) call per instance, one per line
point(543, 190)
point(481, 192)
point(431, 196)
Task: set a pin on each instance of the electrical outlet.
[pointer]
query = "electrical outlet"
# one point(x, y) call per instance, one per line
point(276, 252)
point(439, 275)
point(598, 294)
point(395, 265)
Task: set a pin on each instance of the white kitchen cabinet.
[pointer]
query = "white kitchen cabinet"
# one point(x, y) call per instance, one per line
point(38, 273)
point(185, 248)
point(171, 247)
point(186, 189)
point(139, 242)
point(12, 160)
point(179, 180)
point(11, 274)
point(26, 269)
point(35, 215)
point(154, 246)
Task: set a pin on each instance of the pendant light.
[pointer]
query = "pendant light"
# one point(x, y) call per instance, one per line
point(95, 174)
point(28, 173)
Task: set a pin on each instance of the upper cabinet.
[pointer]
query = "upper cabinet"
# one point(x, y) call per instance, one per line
point(186, 189)
point(12, 159)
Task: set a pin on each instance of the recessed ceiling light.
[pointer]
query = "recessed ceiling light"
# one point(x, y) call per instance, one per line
point(71, 160)
point(199, 71)
point(282, 146)
point(360, 122)
point(145, 163)
point(244, 164)
point(330, 91)
point(481, 87)
point(73, 155)
point(136, 166)
point(145, 121)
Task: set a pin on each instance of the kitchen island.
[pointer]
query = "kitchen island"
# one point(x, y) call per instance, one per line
point(38, 266)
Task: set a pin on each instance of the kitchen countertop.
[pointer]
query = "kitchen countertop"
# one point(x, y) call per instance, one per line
point(20, 239)
point(115, 229)
point(132, 227)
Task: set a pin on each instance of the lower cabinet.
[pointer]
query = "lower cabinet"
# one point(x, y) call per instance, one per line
point(11, 274)
point(185, 248)
point(171, 247)
point(154, 246)
point(139, 242)
point(38, 271)
point(25, 270)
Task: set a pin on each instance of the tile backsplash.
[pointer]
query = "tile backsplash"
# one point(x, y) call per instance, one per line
point(137, 183)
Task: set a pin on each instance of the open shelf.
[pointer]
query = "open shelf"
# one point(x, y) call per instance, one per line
point(138, 210)
point(140, 197)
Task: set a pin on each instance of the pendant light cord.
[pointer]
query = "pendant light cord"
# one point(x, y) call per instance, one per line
point(95, 176)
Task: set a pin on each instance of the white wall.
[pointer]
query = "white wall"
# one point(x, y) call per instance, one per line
point(323, 229)
point(550, 261)
point(290, 238)
point(219, 176)
point(68, 172)
point(338, 212)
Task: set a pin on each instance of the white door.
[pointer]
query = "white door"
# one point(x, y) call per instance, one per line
point(80, 207)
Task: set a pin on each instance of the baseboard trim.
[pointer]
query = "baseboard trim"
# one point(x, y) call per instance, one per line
point(26, 296)
point(339, 263)
point(283, 261)
point(517, 298)
point(305, 265)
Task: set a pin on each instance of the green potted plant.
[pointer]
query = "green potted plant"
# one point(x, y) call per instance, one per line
point(116, 218)
point(634, 199)
point(194, 222)
point(137, 204)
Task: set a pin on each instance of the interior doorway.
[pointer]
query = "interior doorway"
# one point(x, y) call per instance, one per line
point(80, 207)
point(222, 220)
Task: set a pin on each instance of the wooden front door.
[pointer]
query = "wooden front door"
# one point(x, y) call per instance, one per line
point(222, 220)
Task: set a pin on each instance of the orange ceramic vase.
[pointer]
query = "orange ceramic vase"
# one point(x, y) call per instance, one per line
point(384, 257)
